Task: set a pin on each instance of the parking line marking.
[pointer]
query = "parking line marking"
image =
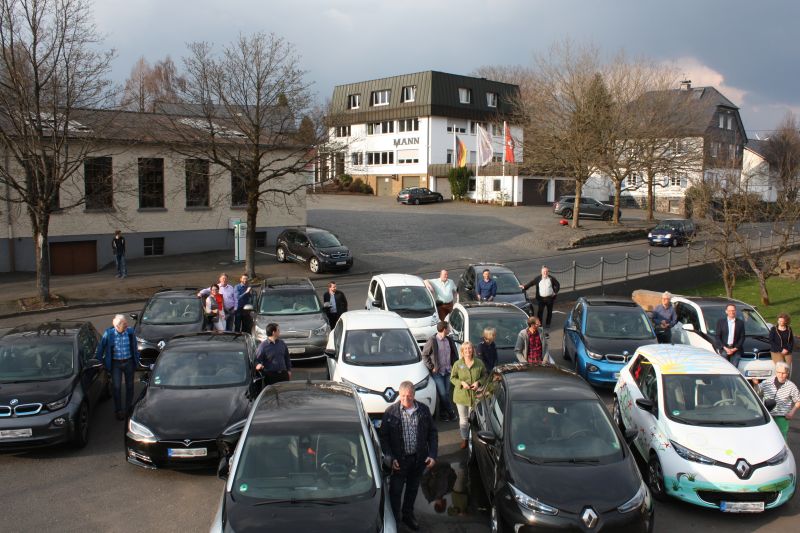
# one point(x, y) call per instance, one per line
point(265, 253)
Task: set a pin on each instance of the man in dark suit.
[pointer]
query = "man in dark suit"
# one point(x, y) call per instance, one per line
point(730, 335)
point(547, 288)
point(409, 441)
point(334, 303)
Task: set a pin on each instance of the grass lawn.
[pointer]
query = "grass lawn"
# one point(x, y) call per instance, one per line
point(784, 295)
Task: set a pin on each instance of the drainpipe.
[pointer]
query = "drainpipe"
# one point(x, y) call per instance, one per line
point(10, 231)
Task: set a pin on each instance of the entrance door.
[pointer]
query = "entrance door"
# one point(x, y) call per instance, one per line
point(384, 185)
point(69, 258)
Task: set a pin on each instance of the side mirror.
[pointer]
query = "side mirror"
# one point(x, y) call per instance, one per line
point(688, 327)
point(630, 435)
point(93, 364)
point(248, 307)
point(377, 303)
point(487, 437)
point(224, 468)
point(770, 404)
point(145, 380)
point(134, 316)
point(330, 353)
point(458, 336)
point(645, 405)
point(570, 326)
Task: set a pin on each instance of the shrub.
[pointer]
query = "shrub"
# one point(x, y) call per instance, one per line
point(345, 180)
point(459, 181)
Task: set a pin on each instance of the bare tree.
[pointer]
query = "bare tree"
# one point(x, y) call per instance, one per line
point(147, 86)
point(50, 69)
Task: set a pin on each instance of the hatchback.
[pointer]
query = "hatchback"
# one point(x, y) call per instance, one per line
point(318, 248)
point(167, 313)
point(469, 319)
point(407, 296)
point(671, 233)
point(508, 285)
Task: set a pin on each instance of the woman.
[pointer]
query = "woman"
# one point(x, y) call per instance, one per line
point(786, 396)
point(781, 340)
point(466, 376)
point(215, 309)
point(487, 350)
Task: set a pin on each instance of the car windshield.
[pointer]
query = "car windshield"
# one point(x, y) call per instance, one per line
point(172, 311)
point(410, 300)
point(508, 327)
point(303, 462)
point(666, 227)
point(380, 347)
point(754, 325)
point(568, 431)
point(507, 283)
point(618, 323)
point(712, 400)
point(200, 368)
point(289, 303)
point(324, 240)
point(35, 361)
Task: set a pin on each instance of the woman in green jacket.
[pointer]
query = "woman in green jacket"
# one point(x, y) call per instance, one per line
point(467, 376)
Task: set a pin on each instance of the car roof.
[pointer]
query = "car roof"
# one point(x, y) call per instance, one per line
point(609, 301)
point(206, 338)
point(400, 280)
point(287, 282)
point(42, 330)
point(171, 293)
point(307, 401)
point(373, 319)
point(492, 267)
point(685, 359)
point(712, 301)
point(544, 382)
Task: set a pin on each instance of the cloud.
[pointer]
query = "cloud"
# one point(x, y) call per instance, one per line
point(702, 75)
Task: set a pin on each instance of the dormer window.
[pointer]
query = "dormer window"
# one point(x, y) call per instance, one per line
point(380, 97)
point(353, 101)
point(464, 95)
point(491, 99)
point(409, 93)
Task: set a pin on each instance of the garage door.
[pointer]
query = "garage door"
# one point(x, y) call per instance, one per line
point(68, 258)
point(443, 187)
point(564, 187)
point(410, 181)
point(534, 192)
point(384, 185)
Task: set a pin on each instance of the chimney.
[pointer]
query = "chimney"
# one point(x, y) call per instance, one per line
point(686, 85)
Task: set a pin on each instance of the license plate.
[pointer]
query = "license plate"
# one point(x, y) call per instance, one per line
point(297, 350)
point(741, 507)
point(341, 262)
point(616, 375)
point(187, 452)
point(16, 433)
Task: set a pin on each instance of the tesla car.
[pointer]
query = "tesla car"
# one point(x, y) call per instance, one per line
point(167, 313)
point(469, 319)
point(318, 248)
point(407, 296)
point(508, 286)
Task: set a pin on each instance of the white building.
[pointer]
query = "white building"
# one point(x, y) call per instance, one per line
point(757, 178)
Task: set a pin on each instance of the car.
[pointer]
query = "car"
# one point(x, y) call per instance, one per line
point(407, 296)
point(508, 286)
point(167, 313)
point(418, 195)
point(374, 351)
point(469, 319)
point(550, 458)
point(703, 433)
point(307, 458)
point(318, 248)
point(590, 208)
point(601, 334)
point(200, 389)
point(675, 232)
point(294, 305)
point(50, 383)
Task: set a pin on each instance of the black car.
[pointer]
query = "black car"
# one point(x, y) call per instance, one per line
point(418, 195)
point(50, 382)
point(671, 233)
point(549, 456)
point(167, 313)
point(590, 208)
point(468, 320)
point(309, 461)
point(508, 285)
point(319, 248)
point(200, 389)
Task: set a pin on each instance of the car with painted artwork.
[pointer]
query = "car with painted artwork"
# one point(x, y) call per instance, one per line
point(702, 431)
point(407, 296)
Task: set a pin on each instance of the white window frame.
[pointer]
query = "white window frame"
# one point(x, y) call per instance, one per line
point(381, 97)
point(464, 95)
point(354, 101)
point(408, 94)
point(491, 99)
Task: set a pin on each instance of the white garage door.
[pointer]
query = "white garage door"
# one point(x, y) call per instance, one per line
point(443, 187)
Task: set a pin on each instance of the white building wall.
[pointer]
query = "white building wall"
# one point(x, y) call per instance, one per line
point(756, 176)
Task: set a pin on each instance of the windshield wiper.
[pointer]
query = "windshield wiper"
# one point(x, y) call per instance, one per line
point(293, 501)
point(527, 459)
point(572, 461)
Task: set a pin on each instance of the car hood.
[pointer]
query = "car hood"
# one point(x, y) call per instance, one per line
point(517, 299)
point(195, 413)
point(335, 250)
point(571, 488)
point(36, 391)
point(379, 378)
point(728, 444)
point(290, 323)
point(154, 333)
point(616, 346)
point(754, 343)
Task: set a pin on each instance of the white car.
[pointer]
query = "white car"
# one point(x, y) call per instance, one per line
point(374, 352)
point(706, 437)
point(407, 296)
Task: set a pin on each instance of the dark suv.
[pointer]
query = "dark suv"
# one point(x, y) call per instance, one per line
point(590, 208)
point(319, 248)
point(167, 313)
point(508, 286)
point(671, 233)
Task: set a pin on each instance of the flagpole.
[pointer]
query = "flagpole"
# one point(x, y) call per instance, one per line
point(477, 156)
point(455, 151)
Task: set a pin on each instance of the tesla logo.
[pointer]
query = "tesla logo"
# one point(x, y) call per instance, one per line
point(13, 402)
point(589, 517)
point(742, 468)
point(389, 394)
point(187, 442)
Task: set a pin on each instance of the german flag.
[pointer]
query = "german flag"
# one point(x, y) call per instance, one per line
point(461, 153)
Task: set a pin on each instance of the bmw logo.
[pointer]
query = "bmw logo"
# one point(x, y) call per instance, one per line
point(389, 394)
point(161, 345)
point(13, 402)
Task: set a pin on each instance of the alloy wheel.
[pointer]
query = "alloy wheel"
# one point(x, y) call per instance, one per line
point(313, 265)
point(617, 415)
point(655, 478)
point(567, 213)
point(280, 253)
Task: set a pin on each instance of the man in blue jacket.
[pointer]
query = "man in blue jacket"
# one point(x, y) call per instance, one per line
point(118, 352)
point(486, 289)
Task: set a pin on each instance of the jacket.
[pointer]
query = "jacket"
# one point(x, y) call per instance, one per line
point(211, 305)
point(105, 348)
point(535, 283)
point(430, 353)
point(487, 352)
point(738, 333)
point(341, 302)
point(391, 432)
point(461, 372)
point(776, 343)
point(521, 347)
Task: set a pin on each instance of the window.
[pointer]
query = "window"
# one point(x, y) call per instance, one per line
point(471, 186)
point(473, 126)
point(380, 158)
point(497, 157)
point(449, 157)
point(343, 131)
point(261, 239)
point(357, 158)
point(151, 182)
point(409, 93)
point(98, 182)
point(409, 124)
point(380, 97)
point(464, 95)
point(714, 149)
point(632, 179)
point(238, 184)
point(721, 121)
point(730, 122)
point(496, 413)
point(491, 99)
point(154, 246)
point(457, 128)
point(197, 194)
point(376, 128)
point(407, 156)
point(457, 321)
point(497, 130)
point(473, 156)
point(353, 101)
point(497, 185)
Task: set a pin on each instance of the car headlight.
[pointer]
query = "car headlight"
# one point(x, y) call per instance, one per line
point(668, 235)
point(233, 429)
point(532, 504)
point(649, 235)
point(594, 355)
point(140, 432)
point(58, 404)
point(638, 499)
point(359, 388)
point(324, 254)
point(322, 330)
point(261, 333)
point(779, 457)
point(422, 384)
point(691, 455)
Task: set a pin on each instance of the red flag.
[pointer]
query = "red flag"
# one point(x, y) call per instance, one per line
point(509, 146)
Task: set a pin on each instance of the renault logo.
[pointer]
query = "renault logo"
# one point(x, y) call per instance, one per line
point(389, 395)
point(13, 402)
point(589, 518)
point(743, 469)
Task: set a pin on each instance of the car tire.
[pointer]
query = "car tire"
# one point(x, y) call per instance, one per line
point(607, 216)
point(81, 437)
point(566, 213)
point(616, 414)
point(675, 242)
point(280, 254)
point(440, 198)
point(496, 522)
point(416, 201)
point(655, 478)
point(313, 265)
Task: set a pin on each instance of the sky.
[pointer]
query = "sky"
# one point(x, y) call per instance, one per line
point(746, 49)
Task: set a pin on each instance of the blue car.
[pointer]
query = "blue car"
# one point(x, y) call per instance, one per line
point(671, 233)
point(601, 334)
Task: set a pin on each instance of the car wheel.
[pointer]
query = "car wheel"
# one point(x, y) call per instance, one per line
point(607, 216)
point(440, 198)
point(617, 415)
point(81, 437)
point(675, 243)
point(416, 201)
point(313, 265)
point(567, 213)
point(280, 254)
point(655, 478)
point(496, 522)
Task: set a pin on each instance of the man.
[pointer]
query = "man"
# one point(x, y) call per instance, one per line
point(118, 352)
point(664, 318)
point(730, 335)
point(118, 247)
point(334, 302)
point(228, 293)
point(272, 356)
point(486, 289)
point(531, 345)
point(244, 296)
point(444, 292)
point(409, 441)
point(546, 287)
point(439, 354)
point(786, 396)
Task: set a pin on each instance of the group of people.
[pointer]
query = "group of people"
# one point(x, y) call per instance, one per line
point(224, 304)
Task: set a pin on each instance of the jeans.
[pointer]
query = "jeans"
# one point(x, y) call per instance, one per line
point(242, 321)
point(118, 369)
point(545, 303)
point(443, 391)
point(122, 266)
point(409, 476)
point(230, 316)
point(463, 420)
